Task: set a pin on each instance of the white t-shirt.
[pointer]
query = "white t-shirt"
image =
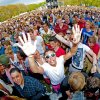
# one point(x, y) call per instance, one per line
point(78, 58)
point(39, 44)
point(55, 74)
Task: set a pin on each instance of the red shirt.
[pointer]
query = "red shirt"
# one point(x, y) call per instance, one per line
point(60, 52)
point(63, 30)
point(95, 48)
point(81, 24)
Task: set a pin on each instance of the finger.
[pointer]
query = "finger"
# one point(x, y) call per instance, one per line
point(17, 44)
point(78, 29)
point(35, 42)
point(81, 31)
point(73, 30)
point(29, 37)
point(24, 37)
point(21, 40)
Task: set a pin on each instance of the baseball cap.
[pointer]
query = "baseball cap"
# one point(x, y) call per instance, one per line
point(4, 60)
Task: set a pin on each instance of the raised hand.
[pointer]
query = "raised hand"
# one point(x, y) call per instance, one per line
point(26, 45)
point(76, 33)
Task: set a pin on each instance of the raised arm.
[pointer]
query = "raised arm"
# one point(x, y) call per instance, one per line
point(29, 49)
point(76, 39)
point(33, 65)
point(94, 60)
point(63, 40)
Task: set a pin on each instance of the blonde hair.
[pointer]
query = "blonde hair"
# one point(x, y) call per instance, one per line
point(77, 81)
point(92, 39)
point(9, 50)
point(92, 26)
point(7, 43)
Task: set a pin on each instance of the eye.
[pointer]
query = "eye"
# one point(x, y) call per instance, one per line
point(52, 55)
point(47, 57)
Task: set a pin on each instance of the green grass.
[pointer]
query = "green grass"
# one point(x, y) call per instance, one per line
point(7, 12)
point(79, 2)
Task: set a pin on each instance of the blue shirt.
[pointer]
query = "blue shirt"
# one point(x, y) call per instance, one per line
point(2, 50)
point(86, 35)
point(32, 88)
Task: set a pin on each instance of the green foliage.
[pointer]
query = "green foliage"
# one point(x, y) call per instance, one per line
point(34, 6)
point(78, 2)
point(7, 12)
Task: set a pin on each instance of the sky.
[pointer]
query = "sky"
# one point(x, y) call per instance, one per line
point(7, 2)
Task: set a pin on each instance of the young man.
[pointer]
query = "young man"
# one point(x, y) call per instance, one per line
point(53, 68)
point(54, 42)
point(78, 58)
point(28, 87)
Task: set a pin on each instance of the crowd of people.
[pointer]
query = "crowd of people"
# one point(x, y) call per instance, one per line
point(55, 48)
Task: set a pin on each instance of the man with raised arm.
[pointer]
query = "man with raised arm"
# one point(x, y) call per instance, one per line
point(53, 68)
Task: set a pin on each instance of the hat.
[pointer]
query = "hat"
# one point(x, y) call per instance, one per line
point(4, 60)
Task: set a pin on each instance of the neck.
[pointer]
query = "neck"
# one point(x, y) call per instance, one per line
point(88, 29)
point(22, 83)
point(56, 48)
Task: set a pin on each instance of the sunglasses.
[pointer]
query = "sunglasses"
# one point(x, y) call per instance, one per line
point(50, 55)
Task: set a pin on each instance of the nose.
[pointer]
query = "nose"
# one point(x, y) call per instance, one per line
point(16, 80)
point(51, 58)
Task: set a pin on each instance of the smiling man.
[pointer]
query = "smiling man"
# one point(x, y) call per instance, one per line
point(28, 87)
point(53, 68)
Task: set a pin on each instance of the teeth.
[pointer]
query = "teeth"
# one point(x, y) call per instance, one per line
point(52, 61)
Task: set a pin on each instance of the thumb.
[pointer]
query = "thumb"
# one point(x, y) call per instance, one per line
point(35, 42)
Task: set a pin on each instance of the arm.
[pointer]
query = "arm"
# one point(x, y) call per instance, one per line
point(61, 39)
point(43, 45)
point(94, 68)
point(98, 56)
point(33, 66)
point(71, 52)
point(76, 39)
point(29, 49)
point(90, 57)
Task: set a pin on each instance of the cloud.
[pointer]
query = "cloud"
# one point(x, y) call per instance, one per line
point(7, 2)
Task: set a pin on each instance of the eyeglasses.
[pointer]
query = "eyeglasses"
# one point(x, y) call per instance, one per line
point(50, 55)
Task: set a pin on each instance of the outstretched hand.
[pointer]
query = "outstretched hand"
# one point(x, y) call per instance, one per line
point(76, 33)
point(26, 44)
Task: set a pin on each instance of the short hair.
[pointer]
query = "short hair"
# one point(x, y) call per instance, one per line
point(7, 43)
point(22, 54)
point(48, 51)
point(53, 38)
point(93, 82)
point(92, 39)
point(14, 70)
point(8, 50)
point(76, 81)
